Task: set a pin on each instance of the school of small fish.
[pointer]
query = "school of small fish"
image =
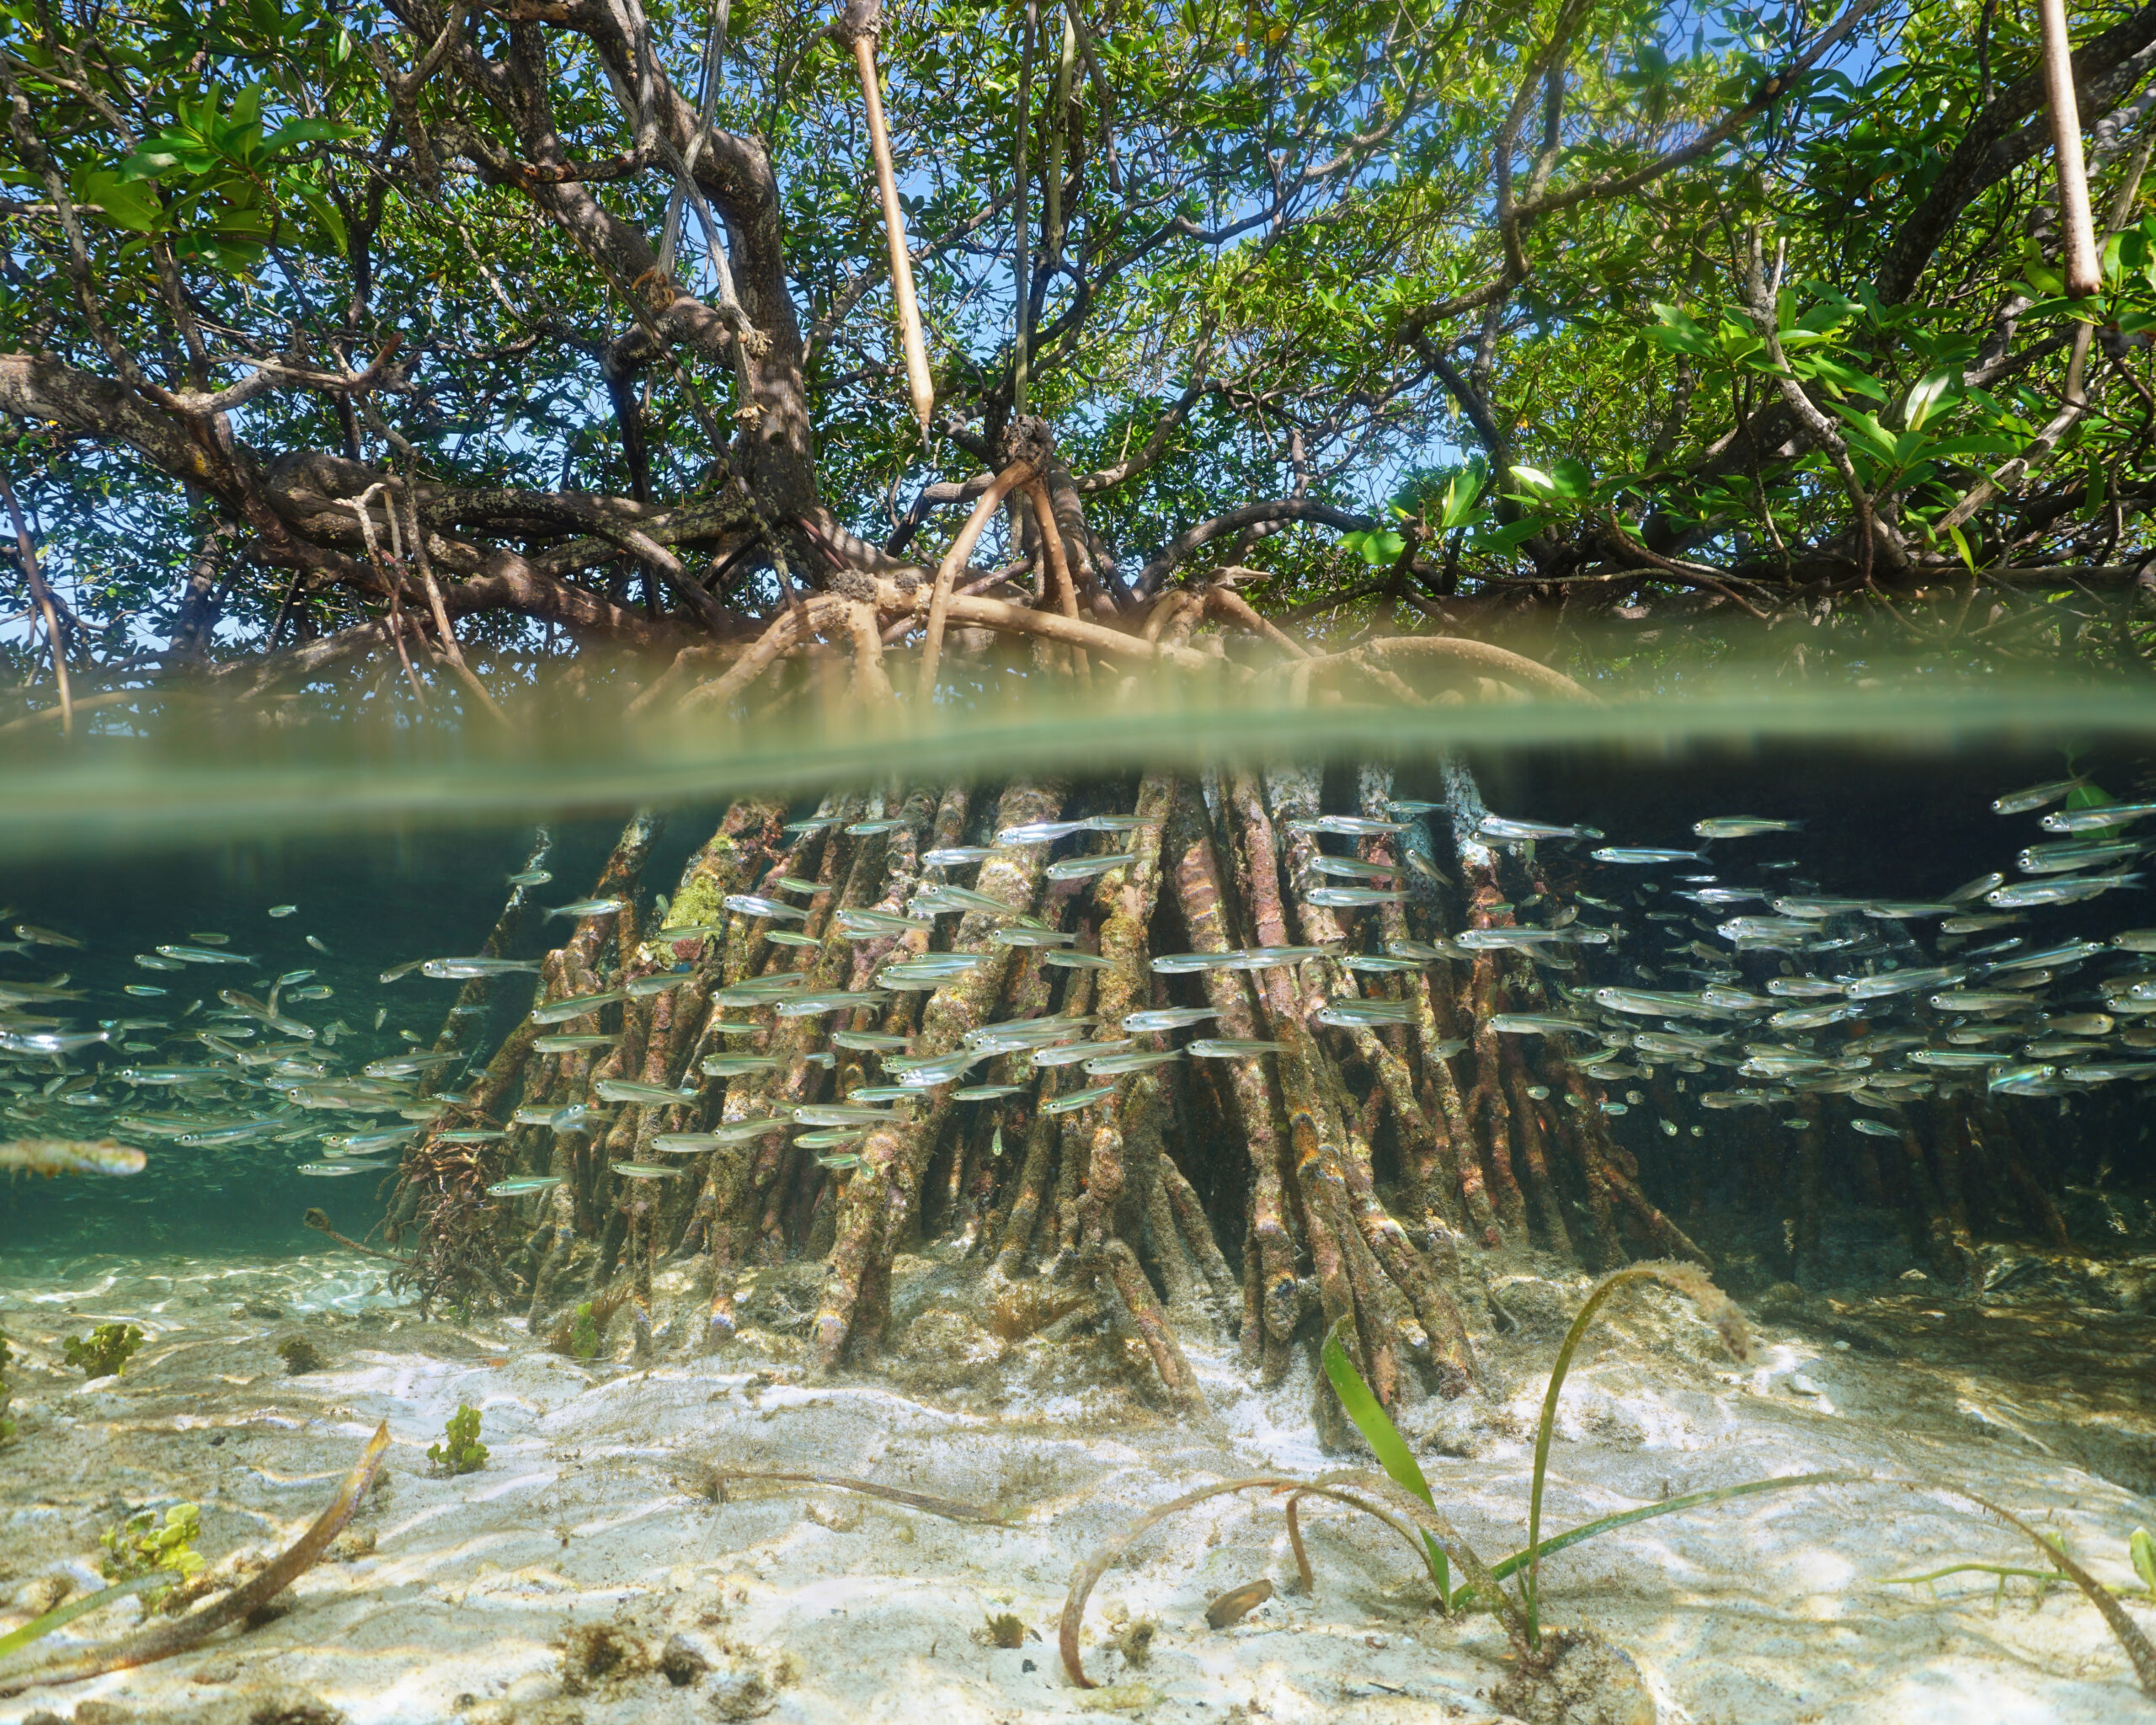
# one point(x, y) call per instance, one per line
point(1715, 961)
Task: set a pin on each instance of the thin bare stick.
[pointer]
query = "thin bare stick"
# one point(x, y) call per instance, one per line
point(41, 595)
point(948, 1508)
point(2077, 231)
point(919, 384)
point(954, 559)
point(449, 647)
point(190, 1632)
point(1059, 564)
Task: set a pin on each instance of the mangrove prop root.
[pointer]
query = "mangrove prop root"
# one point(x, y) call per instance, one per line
point(1128, 1281)
point(948, 1508)
point(168, 1639)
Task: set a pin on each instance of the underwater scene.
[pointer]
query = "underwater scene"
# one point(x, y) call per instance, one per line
point(1599, 1228)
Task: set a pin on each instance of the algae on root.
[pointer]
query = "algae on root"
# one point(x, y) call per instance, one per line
point(7, 1425)
point(105, 1351)
point(460, 1450)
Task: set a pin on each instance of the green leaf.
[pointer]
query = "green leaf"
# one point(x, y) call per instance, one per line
point(1379, 550)
point(128, 204)
point(1461, 495)
point(1961, 545)
point(1679, 332)
point(1384, 1438)
point(2141, 1548)
point(1926, 396)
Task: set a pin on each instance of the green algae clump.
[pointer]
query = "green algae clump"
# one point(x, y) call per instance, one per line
point(7, 1425)
point(583, 1333)
point(143, 1545)
point(105, 1351)
point(460, 1450)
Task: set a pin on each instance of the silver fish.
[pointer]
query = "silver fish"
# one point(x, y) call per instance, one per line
point(930, 972)
point(1069, 1053)
point(1495, 826)
point(1231, 1047)
point(1167, 1019)
point(282, 910)
point(2035, 796)
point(646, 1170)
point(740, 1065)
point(1077, 961)
point(1351, 826)
point(2024, 894)
point(575, 1007)
point(2096, 820)
point(794, 883)
point(1078, 1099)
point(332, 1171)
point(2067, 856)
point(1893, 982)
point(1114, 1065)
point(462, 969)
point(833, 1113)
point(868, 925)
point(526, 877)
point(802, 829)
point(1039, 832)
point(633, 1090)
point(1351, 1014)
point(1345, 897)
point(1027, 1032)
point(573, 1044)
point(1089, 868)
point(986, 1092)
point(1018, 936)
point(1351, 868)
point(1537, 1024)
point(956, 855)
point(815, 1005)
point(645, 986)
point(591, 907)
point(942, 900)
point(1741, 826)
point(524, 1185)
point(929, 1071)
point(872, 829)
point(209, 955)
point(830, 1137)
point(2031, 1079)
point(1643, 854)
point(1118, 822)
point(732, 1132)
point(751, 905)
point(870, 1041)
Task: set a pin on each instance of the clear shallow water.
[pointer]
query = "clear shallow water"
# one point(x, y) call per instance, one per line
point(2021, 1375)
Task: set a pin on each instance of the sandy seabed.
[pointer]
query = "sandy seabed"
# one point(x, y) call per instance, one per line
point(589, 1572)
